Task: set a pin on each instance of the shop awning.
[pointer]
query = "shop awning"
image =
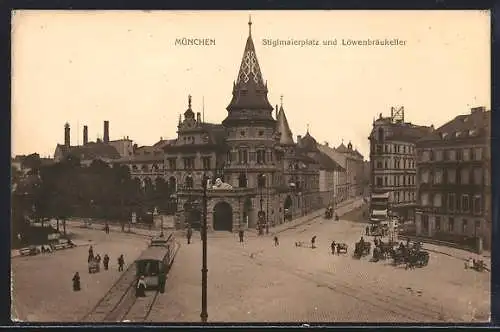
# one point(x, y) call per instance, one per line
point(379, 213)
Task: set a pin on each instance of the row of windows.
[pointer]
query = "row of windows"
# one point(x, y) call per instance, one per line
point(244, 156)
point(396, 163)
point(463, 203)
point(393, 148)
point(464, 176)
point(189, 163)
point(403, 196)
point(450, 225)
point(397, 180)
point(467, 154)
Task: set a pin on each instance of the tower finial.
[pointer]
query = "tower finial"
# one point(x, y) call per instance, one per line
point(308, 128)
point(189, 101)
point(250, 25)
point(281, 98)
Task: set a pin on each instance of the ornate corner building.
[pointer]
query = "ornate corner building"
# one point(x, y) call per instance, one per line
point(393, 165)
point(454, 182)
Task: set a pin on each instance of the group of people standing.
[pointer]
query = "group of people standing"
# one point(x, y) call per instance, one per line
point(97, 259)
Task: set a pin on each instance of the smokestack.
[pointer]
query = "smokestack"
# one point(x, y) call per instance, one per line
point(85, 135)
point(299, 139)
point(106, 132)
point(67, 141)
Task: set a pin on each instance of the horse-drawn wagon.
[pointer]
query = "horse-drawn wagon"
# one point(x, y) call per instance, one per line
point(362, 249)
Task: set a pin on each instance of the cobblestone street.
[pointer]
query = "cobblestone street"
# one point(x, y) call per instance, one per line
point(42, 286)
point(258, 282)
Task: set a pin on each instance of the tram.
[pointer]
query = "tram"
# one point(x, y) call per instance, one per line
point(156, 261)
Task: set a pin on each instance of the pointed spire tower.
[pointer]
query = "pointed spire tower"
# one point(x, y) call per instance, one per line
point(282, 127)
point(249, 100)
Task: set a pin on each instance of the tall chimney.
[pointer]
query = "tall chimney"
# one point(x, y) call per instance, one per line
point(299, 139)
point(67, 141)
point(85, 135)
point(106, 132)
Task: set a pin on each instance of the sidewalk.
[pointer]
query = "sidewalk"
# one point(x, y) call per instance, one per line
point(117, 228)
point(341, 209)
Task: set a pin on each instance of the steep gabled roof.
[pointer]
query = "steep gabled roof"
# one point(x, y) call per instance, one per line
point(286, 136)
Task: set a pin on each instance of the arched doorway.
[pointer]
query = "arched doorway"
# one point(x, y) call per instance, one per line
point(223, 217)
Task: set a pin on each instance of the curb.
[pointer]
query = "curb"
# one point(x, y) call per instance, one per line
point(313, 215)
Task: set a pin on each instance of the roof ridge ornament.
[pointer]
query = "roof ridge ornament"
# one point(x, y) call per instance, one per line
point(250, 25)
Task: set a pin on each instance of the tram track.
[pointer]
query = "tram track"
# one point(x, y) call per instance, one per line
point(414, 311)
point(121, 304)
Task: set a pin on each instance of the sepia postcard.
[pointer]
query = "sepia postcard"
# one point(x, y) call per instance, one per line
point(292, 167)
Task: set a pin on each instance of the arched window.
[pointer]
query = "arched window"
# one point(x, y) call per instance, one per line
point(189, 181)
point(242, 180)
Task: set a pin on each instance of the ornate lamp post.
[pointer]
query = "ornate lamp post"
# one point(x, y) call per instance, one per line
point(204, 269)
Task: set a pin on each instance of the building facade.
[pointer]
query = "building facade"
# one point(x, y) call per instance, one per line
point(266, 175)
point(392, 162)
point(454, 183)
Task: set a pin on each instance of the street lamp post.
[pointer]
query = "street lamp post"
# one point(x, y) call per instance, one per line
point(204, 269)
point(261, 211)
point(267, 209)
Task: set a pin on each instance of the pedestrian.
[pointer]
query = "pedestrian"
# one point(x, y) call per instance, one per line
point(276, 241)
point(338, 249)
point(140, 290)
point(121, 263)
point(313, 242)
point(241, 234)
point(189, 234)
point(332, 246)
point(105, 262)
point(91, 254)
point(367, 231)
point(106, 228)
point(76, 282)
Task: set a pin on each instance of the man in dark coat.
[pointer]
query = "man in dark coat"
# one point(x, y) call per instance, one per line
point(313, 242)
point(105, 262)
point(91, 254)
point(121, 263)
point(76, 282)
point(241, 234)
point(332, 246)
point(276, 241)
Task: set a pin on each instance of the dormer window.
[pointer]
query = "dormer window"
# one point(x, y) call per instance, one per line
point(473, 132)
point(444, 135)
point(458, 134)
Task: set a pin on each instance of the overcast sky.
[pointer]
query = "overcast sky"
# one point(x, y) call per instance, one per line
point(84, 67)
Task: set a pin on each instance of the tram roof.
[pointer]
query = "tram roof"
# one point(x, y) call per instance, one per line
point(153, 253)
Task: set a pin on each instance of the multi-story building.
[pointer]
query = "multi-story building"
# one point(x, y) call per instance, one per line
point(250, 150)
point(454, 184)
point(340, 185)
point(354, 169)
point(393, 166)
